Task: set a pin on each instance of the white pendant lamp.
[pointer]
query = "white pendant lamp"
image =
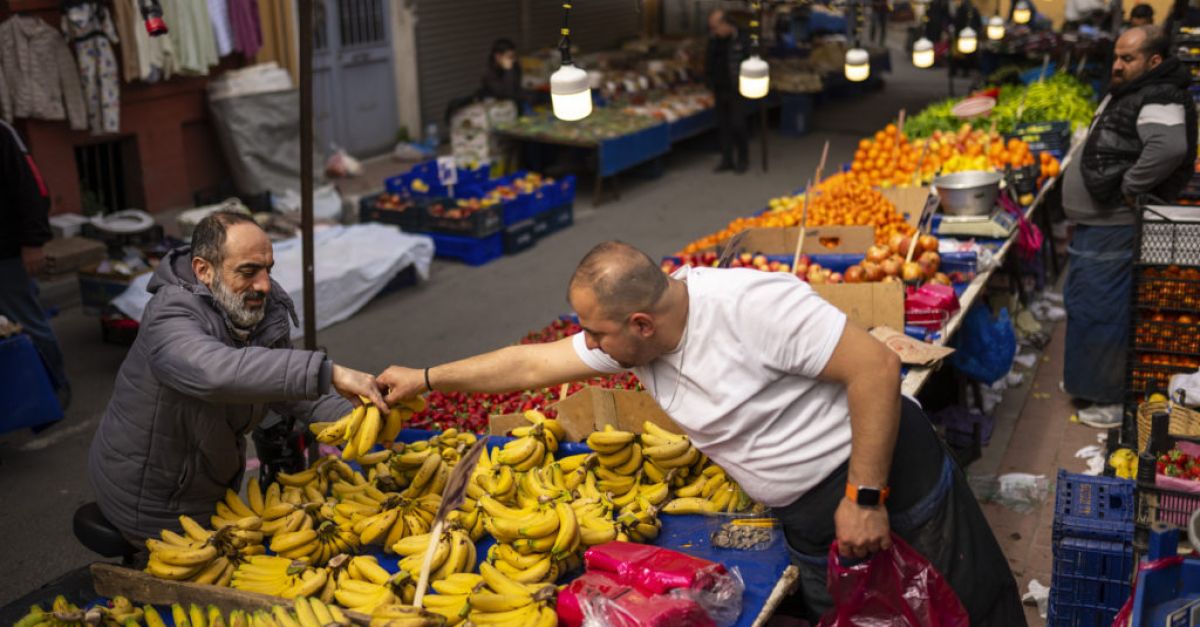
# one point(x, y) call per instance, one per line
point(995, 28)
point(1022, 13)
point(967, 40)
point(922, 56)
point(754, 78)
point(858, 65)
point(570, 93)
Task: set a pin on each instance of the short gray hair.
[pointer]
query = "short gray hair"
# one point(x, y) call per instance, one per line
point(624, 279)
point(208, 239)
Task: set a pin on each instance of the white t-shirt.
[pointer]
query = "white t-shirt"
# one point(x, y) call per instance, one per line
point(742, 382)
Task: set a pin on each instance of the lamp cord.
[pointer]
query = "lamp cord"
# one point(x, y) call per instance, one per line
point(755, 25)
point(564, 45)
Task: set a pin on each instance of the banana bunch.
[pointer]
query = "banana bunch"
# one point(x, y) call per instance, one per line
point(534, 444)
point(494, 599)
point(450, 595)
point(596, 524)
point(365, 426)
point(575, 469)
point(709, 493)
point(421, 472)
point(387, 521)
point(201, 555)
point(282, 577)
point(542, 485)
point(535, 543)
point(619, 465)
point(62, 613)
point(639, 522)
point(317, 544)
point(666, 451)
point(454, 554)
point(364, 596)
point(305, 613)
point(314, 482)
point(395, 615)
point(500, 483)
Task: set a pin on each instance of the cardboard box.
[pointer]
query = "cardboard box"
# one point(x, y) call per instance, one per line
point(69, 254)
point(97, 289)
point(591, 408)
point(909, 201)
point(868, 304)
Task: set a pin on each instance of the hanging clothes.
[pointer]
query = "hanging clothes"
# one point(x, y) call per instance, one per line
point(278, 35)
point(156, 55)
point(218, 12)
point(191, 36)
point(247, 33)
point(128, 46)
point(91, 32)
point(38, 75)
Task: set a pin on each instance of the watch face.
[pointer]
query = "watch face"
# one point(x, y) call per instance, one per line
point(868, 497)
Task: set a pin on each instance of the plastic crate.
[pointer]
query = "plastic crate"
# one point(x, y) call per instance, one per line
point(1163, 592)
point(519, 237)
point(1093, 507)
point(410, 219)
point(473, 251)
point(1164, 505)
point(481, 223)
point(26, 391)
point(1169, 236)
point(560, 217)
point(1090, 581)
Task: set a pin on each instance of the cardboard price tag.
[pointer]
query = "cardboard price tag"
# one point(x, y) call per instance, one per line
point(447, 171)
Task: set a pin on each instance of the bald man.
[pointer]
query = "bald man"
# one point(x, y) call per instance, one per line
point(1141, 143)
point(800, 406)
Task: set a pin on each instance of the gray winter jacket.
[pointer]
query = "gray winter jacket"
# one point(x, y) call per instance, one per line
point(173, 436)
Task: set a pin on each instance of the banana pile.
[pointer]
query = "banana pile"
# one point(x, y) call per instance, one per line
point(282, 577)
point(63, 613)
point(709, 493)
point(492, 598)
point(204, 556)
point(362, 585)
point(331, 537)
point(454, 554)
point(365, 426)
point(120, 612)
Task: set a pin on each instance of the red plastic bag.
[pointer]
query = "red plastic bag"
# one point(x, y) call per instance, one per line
point(651, 569)
point(598, 598)
point(894, 588)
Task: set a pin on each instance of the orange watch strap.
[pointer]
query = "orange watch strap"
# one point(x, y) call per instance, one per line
point(852, 493)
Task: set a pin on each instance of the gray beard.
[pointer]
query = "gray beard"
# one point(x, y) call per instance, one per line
point(234, 305)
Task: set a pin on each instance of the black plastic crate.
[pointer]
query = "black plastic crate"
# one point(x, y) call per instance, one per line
point(479, 223)
point(1169, 236)
point(149, 237)
point(519, 237)
point(409, 218)
point(560, 217)
point(1158, 291)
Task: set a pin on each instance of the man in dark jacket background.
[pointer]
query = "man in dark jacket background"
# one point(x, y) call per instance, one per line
point(722, 62)
point(212, 356)
point(1141, 144)
point(24, 229)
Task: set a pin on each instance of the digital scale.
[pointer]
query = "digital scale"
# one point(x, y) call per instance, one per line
point(999, 225)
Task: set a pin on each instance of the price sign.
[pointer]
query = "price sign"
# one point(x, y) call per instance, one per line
point(447, 171)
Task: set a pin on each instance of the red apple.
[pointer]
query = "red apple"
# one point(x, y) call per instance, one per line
point(891, 266)
point(940, 278)
point(927, 243)
point(912, 272)
point(897, 245)
point(835, 277)
point(760, 260)
point(745, 258)
point(930, 261)
point(784, 267)
point(801, 269)
point(854, 274)
point(877, 254)
point(872, 273)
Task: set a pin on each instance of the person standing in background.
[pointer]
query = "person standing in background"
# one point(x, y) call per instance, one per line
point(502, 79)
point(1141, 14)
point(24, 229)
point(880, 11)
point(723, 60)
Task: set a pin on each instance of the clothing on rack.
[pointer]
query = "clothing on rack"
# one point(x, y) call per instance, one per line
point(127, 47)
point(278, 35)
point(191, 36)
point(218, 12)
point(90, 30)
point(38, 75)
point(247, 32)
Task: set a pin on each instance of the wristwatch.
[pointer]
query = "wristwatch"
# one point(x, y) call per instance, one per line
point(867, 496)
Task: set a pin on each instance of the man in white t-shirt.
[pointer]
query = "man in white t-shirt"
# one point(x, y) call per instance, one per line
point(801, 407)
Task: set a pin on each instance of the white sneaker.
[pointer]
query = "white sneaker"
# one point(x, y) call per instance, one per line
point(1102, 416)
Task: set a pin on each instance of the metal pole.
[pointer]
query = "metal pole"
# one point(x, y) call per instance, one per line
point(306, 171)
point(762, 108)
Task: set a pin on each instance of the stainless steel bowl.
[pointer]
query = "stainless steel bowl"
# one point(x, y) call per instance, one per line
point(969, 193)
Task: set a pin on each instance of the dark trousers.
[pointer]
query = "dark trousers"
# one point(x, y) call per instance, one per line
point(879, 26)
point(731, 128)
point(932, 508)
point(19, 302)
point(1098, 301)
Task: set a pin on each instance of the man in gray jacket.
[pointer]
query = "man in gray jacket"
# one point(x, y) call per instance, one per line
point(1141, 143)
point(212, 356)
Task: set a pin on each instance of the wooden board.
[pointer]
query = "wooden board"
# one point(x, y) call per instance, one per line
point(111, 580)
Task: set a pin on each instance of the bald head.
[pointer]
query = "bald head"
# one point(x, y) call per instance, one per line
point(622, 279)
point(1138, 50)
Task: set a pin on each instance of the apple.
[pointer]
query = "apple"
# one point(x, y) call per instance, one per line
point(760, 260)
point(804, 259)
point(784, 267)
point(897, 244)
point(940, 279)
point(835, 277)
point(927, 243)
point(912, 272)
point(891, 278)
point(877, 254)
point(801, 269)
point(773, 266)
point(745, 258)
point(668, 267)
point(891, 266)
point(930, 261)
point(872, 273)
point(854, 274)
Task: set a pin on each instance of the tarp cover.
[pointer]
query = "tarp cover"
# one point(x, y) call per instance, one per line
point(260, 136)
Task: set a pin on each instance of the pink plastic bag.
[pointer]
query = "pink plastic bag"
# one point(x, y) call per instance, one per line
point(651, 569)
point(894, 588)
point(597, 598)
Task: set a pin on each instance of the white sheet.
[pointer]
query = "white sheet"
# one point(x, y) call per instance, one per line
point(352, 264)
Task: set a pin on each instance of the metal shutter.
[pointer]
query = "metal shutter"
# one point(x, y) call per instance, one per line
point(453, 41)
point(595, 24)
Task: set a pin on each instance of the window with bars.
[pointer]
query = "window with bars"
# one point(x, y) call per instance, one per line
point(361, 22)
point(104, 170)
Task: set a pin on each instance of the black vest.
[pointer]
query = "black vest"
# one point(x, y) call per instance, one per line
point(1113, 145)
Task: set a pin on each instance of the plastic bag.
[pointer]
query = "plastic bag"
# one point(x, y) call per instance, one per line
point(598, 599)
point(985, 347)
point(893, 588)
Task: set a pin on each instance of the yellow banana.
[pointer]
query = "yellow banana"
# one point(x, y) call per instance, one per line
point(689, 505)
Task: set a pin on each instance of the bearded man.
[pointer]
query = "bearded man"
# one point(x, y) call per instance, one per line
point(212, 356)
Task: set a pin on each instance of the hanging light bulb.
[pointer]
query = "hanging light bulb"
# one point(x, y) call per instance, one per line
point(570, 93)
point(754, 77)
point(858, 65)
point(1022, 13)
point(923, 53)
point(995, 28)
point(967, 41)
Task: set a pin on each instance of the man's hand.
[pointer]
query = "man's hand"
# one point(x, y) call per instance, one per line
point(354, 384)
point(861, 531)
point(402, 383)
point(34, 259)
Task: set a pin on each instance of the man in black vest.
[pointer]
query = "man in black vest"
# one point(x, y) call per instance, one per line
point(723, 59)
point(1141, 145)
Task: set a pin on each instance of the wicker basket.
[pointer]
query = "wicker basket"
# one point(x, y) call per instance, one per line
point(1184, 421)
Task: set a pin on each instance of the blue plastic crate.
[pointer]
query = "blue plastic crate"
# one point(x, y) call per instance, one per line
point(26, 392)
point(1090, 581)
point(1093, 507)
point(473, 251)
point(1163, 592)
point(559, 217)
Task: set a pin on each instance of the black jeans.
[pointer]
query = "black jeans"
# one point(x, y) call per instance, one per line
point(932, 508)
point(731, 128)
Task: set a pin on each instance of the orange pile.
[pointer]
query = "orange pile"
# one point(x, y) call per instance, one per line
point(889, 159)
